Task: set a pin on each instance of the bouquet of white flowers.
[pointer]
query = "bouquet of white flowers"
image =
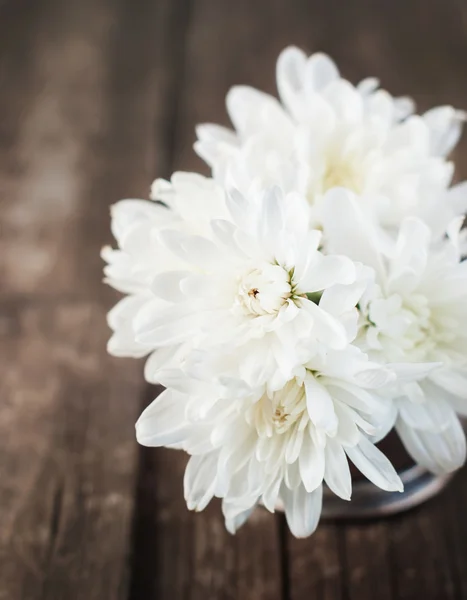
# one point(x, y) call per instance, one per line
point(305, 300)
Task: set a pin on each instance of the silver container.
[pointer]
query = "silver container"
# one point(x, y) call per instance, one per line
point(369, 501)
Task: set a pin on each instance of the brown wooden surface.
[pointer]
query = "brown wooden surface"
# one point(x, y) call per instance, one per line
point(97, 98)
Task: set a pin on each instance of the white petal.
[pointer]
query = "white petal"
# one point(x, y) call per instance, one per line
point(210, 132)
point(339, 299)
point(238, 208)
point(123, 344)
point(326, 328)
point(167, 285)
point(455, 382)
point(337, 473)
point(311, 464)
point(302, 509)
point(157, 360)
point(374, 377)
point(325, 271)
point(162, 422)
point(125, 310)
point(207, 288)
point(271, 218)
point(438, 452)
point(412, 254)
point(348, 433)
point(127, 213)
point(368, 85)
point(320, 405)
point(435, 391)
point(445, 124)
point(174, 378)
point(320, 71)
point(235, 521)
point(290, 70)
point(167, 326)
point(375, 466)
point(203, 253)
point(120, 319)
point(431, 415)
point(194, 249)
point(234, 456)
point(412, 371)
point(386, 424)
point(404, 107)
point(356, 397)
point(270, 495)
point(294, 446)
point(345, 100)
point(249, 109)
point(457, 197)
point(224, 232)
point(292, 477)
point(200, 480)
point(350, 233)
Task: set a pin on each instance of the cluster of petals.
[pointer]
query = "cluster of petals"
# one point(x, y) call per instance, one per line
point(413, 317)
point(304, 300)
point(325, 133)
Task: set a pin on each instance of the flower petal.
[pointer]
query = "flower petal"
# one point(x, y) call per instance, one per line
point(337, 473)
point(445, 124)
point(375, 466)
point(235, 515)
point(325, 271)
point(441, 452)
point(320, 405)
point(162, 422)
point(167, 285)
point(167, 326)
point(200, 480)
point(302, 509)
point(326, 328)
point(350, 234)
point(320, 71)
point(311, 464)
point(290, 71)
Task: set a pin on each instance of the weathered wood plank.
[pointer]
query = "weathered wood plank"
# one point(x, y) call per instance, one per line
point(316, 565)
point(421, 542)
point(88, 86)
point(67, 457)
point(452, 507)
point(57, 113)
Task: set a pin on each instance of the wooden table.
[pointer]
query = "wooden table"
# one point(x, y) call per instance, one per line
point(97, 98)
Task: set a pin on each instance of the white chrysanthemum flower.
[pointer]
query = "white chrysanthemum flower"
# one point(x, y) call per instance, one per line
point(327, 133)
point(252, 284)
point(415, 318)
point(140, 257)
point(250, 446)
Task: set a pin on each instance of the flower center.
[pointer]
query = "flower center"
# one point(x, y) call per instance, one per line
point(281, 412)
point(342, 172)
point(262, 290)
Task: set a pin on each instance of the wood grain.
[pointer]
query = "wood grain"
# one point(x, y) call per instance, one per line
point(98, 98)
point(78, 134)
point(67, 458)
